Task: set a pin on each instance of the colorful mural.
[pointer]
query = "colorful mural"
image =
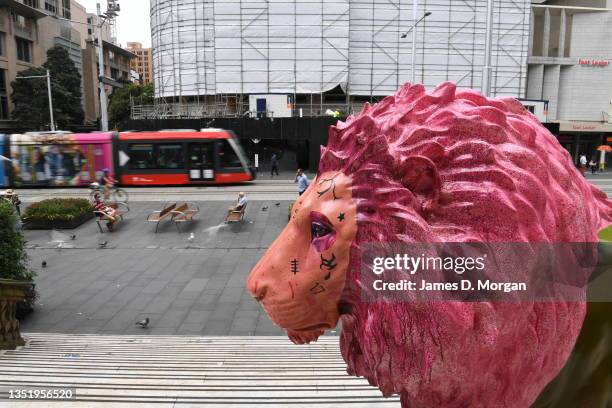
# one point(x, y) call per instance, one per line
point(59, 159)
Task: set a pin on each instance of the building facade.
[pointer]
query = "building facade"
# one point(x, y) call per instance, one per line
point(143, 63)
point(27, 31)
point(570, 66)
point(322, 54)
point(116, 74)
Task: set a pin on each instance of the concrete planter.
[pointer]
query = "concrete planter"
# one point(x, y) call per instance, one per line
point(11, 293)
point(58, 224)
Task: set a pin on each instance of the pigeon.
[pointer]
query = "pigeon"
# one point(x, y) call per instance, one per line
point(265, 208)
point(277, 204)
point(143, 323)
point(191, 237)
point(60, 239)
point(44, 264)
point(73, 237)
point(103, 244)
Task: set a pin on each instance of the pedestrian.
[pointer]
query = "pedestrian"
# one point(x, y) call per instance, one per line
point(302, 181)
point(583, 164)
point(593, 166)
point(274, 164)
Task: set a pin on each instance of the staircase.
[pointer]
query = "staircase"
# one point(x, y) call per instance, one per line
point(168, 371)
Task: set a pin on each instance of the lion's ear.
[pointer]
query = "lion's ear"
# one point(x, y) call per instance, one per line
point(420, 175)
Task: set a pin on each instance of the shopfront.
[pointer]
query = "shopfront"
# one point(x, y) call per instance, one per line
point(583, 138)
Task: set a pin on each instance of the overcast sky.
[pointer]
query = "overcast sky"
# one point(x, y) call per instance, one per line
point(133, 23)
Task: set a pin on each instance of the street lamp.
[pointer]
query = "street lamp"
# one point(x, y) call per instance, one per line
point(111, 13)
point(487, 70)
point(48, 76)
point(413, 29)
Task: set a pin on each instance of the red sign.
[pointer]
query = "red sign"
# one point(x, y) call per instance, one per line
point(593, 62)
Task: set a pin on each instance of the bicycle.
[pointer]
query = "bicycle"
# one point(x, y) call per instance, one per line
point(118, 195)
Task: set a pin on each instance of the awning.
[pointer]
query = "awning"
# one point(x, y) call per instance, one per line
point(118, 50)
point(111, 82)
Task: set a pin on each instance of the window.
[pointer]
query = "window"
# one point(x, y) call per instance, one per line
point(160, 156)
point(170, 156)
point(114, 73)
point(24, 49)
point(20, 21)
point(141, 156)
point(51, 5)
point(227, 156)
point(2, 43)
point(4, 113)
point(31, 3)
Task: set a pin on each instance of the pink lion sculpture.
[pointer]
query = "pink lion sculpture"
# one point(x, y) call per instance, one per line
point(443, 166)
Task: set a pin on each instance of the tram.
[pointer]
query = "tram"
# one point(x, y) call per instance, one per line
point(60, 159)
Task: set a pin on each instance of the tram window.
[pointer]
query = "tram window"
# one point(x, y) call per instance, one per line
point(170, 156)
point(141, 156)
point(227, 156)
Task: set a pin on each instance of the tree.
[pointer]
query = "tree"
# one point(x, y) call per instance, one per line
point(119, 108)
point(30, 95)
point(30, 98)
point(65, 87)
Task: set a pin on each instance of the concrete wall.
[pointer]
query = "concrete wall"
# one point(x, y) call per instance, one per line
point(79, 14)
point(550, 89)
point(587, 90)
point(575, 91)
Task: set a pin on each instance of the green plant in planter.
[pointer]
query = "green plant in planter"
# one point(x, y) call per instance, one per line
point(15, 277)
point(13, 257)
point(57, 209)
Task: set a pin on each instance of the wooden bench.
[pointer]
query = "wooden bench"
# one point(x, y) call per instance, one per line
point(184, 213)
point(120, 210)
point(164, 214)
point(236, 215)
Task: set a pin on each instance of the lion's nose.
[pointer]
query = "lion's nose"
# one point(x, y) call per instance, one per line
point(255, 286)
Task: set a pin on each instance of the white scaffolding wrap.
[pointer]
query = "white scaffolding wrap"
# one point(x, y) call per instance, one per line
point(208, 47)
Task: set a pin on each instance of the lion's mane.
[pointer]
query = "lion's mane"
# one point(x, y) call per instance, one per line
point(502, 178)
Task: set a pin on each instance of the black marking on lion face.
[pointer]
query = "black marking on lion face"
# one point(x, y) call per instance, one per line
point(331, 186)
point(317, 288)
point(294, 266)
point(328, 264)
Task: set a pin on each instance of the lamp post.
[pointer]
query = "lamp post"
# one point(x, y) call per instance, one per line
point(111, 12)
point(413, 29)
point(487, 69)
point(48, 77)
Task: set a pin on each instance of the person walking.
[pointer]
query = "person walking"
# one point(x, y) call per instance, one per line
point(274, 165)
point(593, 165)
point(583, 164)
point(302, 181)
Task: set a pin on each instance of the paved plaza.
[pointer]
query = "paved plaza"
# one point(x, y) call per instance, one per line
point(185, 287)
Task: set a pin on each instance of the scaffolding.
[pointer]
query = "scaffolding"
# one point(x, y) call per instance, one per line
point(208, 55)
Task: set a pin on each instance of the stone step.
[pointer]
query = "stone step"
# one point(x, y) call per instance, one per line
point(162, 371)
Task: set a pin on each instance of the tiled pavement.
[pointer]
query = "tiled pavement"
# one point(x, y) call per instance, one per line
point(194, 288)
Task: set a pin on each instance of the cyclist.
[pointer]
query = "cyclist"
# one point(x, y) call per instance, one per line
point(108, 182)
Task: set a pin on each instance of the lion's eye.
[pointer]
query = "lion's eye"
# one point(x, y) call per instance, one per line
point(318, 229)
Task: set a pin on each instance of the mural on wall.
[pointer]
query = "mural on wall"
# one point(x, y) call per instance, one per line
point(440, 166)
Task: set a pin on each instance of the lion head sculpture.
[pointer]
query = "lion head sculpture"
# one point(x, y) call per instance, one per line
point(447, 165)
